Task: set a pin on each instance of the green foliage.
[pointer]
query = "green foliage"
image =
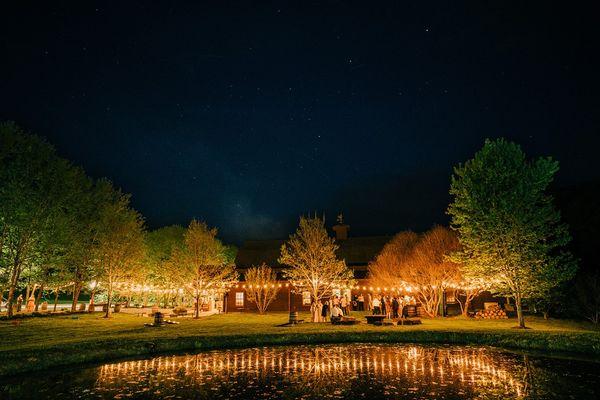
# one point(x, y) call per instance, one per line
point(119, 250)
point(201, 265)
point(508, 227)
point(230, 253)
point(161, 242)
point(57, 227)
point(36, 192)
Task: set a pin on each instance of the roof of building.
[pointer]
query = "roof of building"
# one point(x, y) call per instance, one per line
point(355, 251)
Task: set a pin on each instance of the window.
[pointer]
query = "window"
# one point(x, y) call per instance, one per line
point(306, 298)
point(239, 299)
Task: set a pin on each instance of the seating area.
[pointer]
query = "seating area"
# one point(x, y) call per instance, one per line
point(344, 321)
point(374, 319)
point(381, 320)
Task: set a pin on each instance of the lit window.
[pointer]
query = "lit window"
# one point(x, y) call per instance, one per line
point(306, 298)
point(239, 299)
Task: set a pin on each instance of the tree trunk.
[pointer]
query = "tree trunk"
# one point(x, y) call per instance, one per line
point(91, 305)
point(56, 299)
point(519, 311)
point(76, 292)
point(39, 297)
point(13, 287)
point(465, 311)
point(9, 301)
point(109, 295)
point(27, 292)
point(197, 305)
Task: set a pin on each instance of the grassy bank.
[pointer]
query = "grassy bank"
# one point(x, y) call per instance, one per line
point(40, 343)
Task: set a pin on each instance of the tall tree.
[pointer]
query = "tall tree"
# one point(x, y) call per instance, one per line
point(418, 263)
point(90, 199)
point(510, 232)
point(120, 245)
point(261, 286)
point(429, 270)
point(202, 266)
point(387, 268)
point(162, 274)
point(314, 266)
point(33, 200)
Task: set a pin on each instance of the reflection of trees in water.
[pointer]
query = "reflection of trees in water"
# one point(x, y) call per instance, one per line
point(293, 372)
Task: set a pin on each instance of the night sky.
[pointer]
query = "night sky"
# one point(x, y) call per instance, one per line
point(247, 116)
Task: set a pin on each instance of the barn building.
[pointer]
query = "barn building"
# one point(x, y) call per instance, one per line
point(358, 252)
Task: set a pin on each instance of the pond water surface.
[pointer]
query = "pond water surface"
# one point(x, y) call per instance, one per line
point(353, 371)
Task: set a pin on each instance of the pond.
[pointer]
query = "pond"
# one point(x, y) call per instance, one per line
point(352, 371)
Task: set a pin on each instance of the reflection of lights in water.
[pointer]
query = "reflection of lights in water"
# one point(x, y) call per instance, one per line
point(473, 369)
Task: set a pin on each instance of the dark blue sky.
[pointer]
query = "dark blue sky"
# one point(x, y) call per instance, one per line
point(248, 115)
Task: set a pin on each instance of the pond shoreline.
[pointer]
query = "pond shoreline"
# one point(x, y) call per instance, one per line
point(18, 361)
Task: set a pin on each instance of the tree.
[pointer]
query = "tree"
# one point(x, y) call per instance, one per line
point(202, 266)
point(387, 268)
point(261, 286)
point(314, 267)
point(588, 292)
point(33, 201)
point(419, 264)
point(90, 200)
point(465, 290)
point(510, 232)
point(162, 273)
point(429, 270)
point(120, 245)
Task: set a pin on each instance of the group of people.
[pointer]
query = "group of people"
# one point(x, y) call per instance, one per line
point(339, 306)
point(391, 307)
point(335, 307)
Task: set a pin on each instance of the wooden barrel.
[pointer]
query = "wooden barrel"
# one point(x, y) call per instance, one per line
point(158, 318)
point(118, 307)
point(293, 317)
point(411, 311)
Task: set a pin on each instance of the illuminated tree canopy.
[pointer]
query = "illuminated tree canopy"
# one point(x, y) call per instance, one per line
point(509, 230)
point(313, 264)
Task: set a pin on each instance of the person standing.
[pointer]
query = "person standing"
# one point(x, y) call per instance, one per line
point(376, 309)
point(325, 310)
point(384, 309)
point(19, 302)
point(344, 304)
point(361, 302)
point(395, 307)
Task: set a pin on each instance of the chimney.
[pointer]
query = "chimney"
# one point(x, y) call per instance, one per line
point(341, 229)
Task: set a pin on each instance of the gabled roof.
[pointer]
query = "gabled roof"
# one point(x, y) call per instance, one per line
point(355, 251)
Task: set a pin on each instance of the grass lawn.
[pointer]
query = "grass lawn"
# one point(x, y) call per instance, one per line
point(38, 343)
